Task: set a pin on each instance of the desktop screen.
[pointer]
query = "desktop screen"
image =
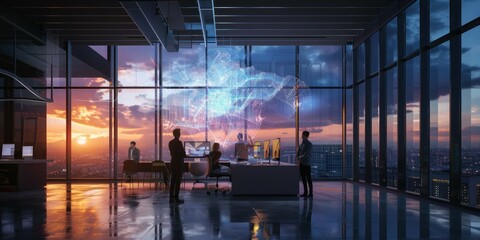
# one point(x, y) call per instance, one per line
point(266, 149)
point(197, 148)
point(276, 149)
point(257, 149)
point(27, 151)
point(8, 150)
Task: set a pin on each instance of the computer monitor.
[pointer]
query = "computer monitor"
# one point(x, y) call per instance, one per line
point(197, 149)
point(27, 152)
point(276, 149)
point(257, 149)
point(266, 149)
point(8, 150)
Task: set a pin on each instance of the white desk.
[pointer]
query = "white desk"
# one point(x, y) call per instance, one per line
point(265, 179)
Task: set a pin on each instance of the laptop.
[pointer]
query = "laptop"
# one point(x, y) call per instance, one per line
point(27, 152)
point(8, 151)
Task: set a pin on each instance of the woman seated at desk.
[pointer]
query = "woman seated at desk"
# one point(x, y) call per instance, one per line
point(215, 155)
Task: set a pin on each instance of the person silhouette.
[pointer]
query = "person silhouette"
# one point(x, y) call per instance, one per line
point(177, 152)
point(241, 148)
point(304, 159)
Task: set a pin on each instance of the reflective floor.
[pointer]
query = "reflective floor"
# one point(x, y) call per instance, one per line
point(339, 210)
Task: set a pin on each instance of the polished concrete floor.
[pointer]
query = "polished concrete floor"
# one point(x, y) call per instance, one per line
point(339, 210)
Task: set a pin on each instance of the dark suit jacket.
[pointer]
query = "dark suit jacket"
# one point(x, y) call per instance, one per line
point(135, 153)
point(177, 152)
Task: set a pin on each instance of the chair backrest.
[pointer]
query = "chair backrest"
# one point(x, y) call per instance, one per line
point(210, 165)
point(130, 166)
point(198, 169)
point(158, 165)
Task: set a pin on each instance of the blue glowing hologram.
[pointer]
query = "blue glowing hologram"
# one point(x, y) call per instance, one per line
point(234, 95)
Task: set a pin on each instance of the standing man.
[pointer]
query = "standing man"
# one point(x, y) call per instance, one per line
point(177, 152)
point(304, 159)
point(133, 154)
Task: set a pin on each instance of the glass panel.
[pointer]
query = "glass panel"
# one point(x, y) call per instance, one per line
point(412, 28)
point(412, 85)
point(391, 43)
point(56, 135)
point(374, 50)
point(136, 122)
point(375, 129)
point(321, 65)
point(90, 133)
point(321, 116)
point(360, 51)
point(136, 66)
point(226, 66)
point(439, 18)
point(440, 120)
point(470, 10)
point(349, 132)
point(471, 118)
point(349, 65)
point(392, 127)
point(276, 119)
point(361, 130)
point(184, 109)
point(185, 67)
point(279, 60)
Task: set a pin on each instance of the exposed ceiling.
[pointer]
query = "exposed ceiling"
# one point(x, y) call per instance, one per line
point(181, 23)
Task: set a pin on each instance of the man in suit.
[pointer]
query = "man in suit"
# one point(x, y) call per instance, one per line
point(304, 158)
point(133, 154)
point(177, 152)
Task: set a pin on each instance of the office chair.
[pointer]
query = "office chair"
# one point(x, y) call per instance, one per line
point(198, 170)
point(158, 166)
point(130, 168)
point(217, 175)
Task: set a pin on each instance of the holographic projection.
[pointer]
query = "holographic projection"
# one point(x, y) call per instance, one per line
point(229, 97)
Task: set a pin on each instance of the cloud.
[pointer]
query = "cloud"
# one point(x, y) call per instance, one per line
point(316, 130)
point(471, 131)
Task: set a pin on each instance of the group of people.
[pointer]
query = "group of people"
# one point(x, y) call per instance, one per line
point(177, 154)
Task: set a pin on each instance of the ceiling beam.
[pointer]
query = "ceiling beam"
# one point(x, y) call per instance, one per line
point(291, 12)
point(285, 26)
point(152, 24)
point(287, 19)
point(289, 32)
point(91, 26)
point(206, 10)
point(302, 3)
point(90, 57)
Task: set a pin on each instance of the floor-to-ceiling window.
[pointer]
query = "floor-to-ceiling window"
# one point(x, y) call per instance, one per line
point(375, 126)
point(321, 104)
point(428, 49)
point(361, 131)
point(412, 124)
point(56, 135)
point(440, 120)
point(392, 126)
point(359, 77)
point(183, 102)
point(272, 112)
point(471, 118)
